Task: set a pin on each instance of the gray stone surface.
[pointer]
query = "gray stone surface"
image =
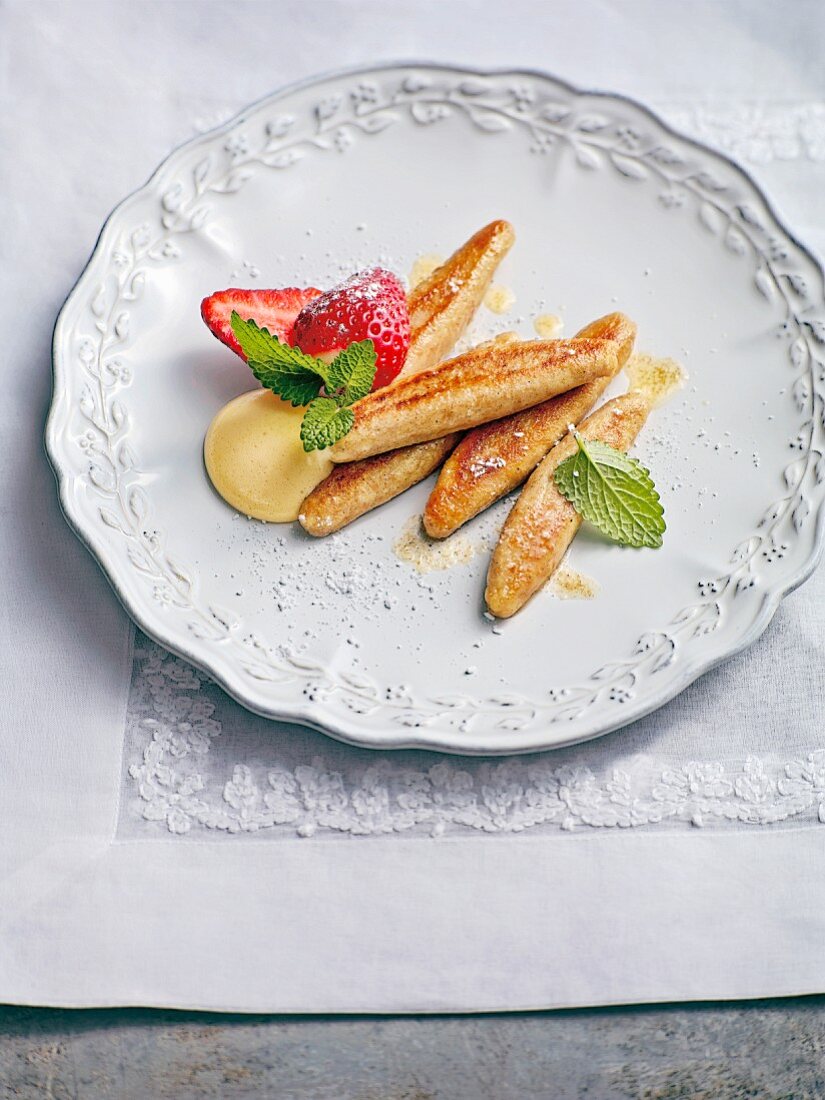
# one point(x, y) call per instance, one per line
point(771, 1049)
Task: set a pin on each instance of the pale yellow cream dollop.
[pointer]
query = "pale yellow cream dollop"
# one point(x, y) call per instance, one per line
point(255, 458)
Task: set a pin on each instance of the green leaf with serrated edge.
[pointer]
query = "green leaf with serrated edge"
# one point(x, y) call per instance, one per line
point(255, 342)
point(352, 371)
point(291, 383)
point(284, 369)
point(614, 492)
point(324, 423)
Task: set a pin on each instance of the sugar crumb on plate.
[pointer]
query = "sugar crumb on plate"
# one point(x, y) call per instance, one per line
point(569, 584)
point(428, 555)
point(499, 299)
point(423, 267)
point(548, 325)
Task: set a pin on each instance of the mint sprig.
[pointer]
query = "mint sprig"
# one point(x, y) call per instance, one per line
point(327, 389)
point(292, 382)
point(325, 421)
point(352, 371)
point(612, 491)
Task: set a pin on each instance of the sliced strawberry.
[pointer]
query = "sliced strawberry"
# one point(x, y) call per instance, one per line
point(370, 305)
point(275, 310)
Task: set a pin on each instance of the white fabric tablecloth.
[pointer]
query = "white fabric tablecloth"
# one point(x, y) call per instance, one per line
point(159, 845)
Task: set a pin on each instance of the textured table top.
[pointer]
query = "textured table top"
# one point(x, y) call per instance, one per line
point(763, 1049)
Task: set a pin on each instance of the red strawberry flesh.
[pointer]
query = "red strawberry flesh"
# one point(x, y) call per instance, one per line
point(274, 310)
point(370, 305)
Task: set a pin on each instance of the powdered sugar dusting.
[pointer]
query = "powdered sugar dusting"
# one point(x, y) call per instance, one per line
point(483, 465)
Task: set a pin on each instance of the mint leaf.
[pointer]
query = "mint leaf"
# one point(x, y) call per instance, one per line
point(614, 492)
point(324, 423)
point(287, 371)
point(256, 343)
point(352, 371)
point(290, 381)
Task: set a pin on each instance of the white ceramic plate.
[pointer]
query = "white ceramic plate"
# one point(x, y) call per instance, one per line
point(612, 211)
